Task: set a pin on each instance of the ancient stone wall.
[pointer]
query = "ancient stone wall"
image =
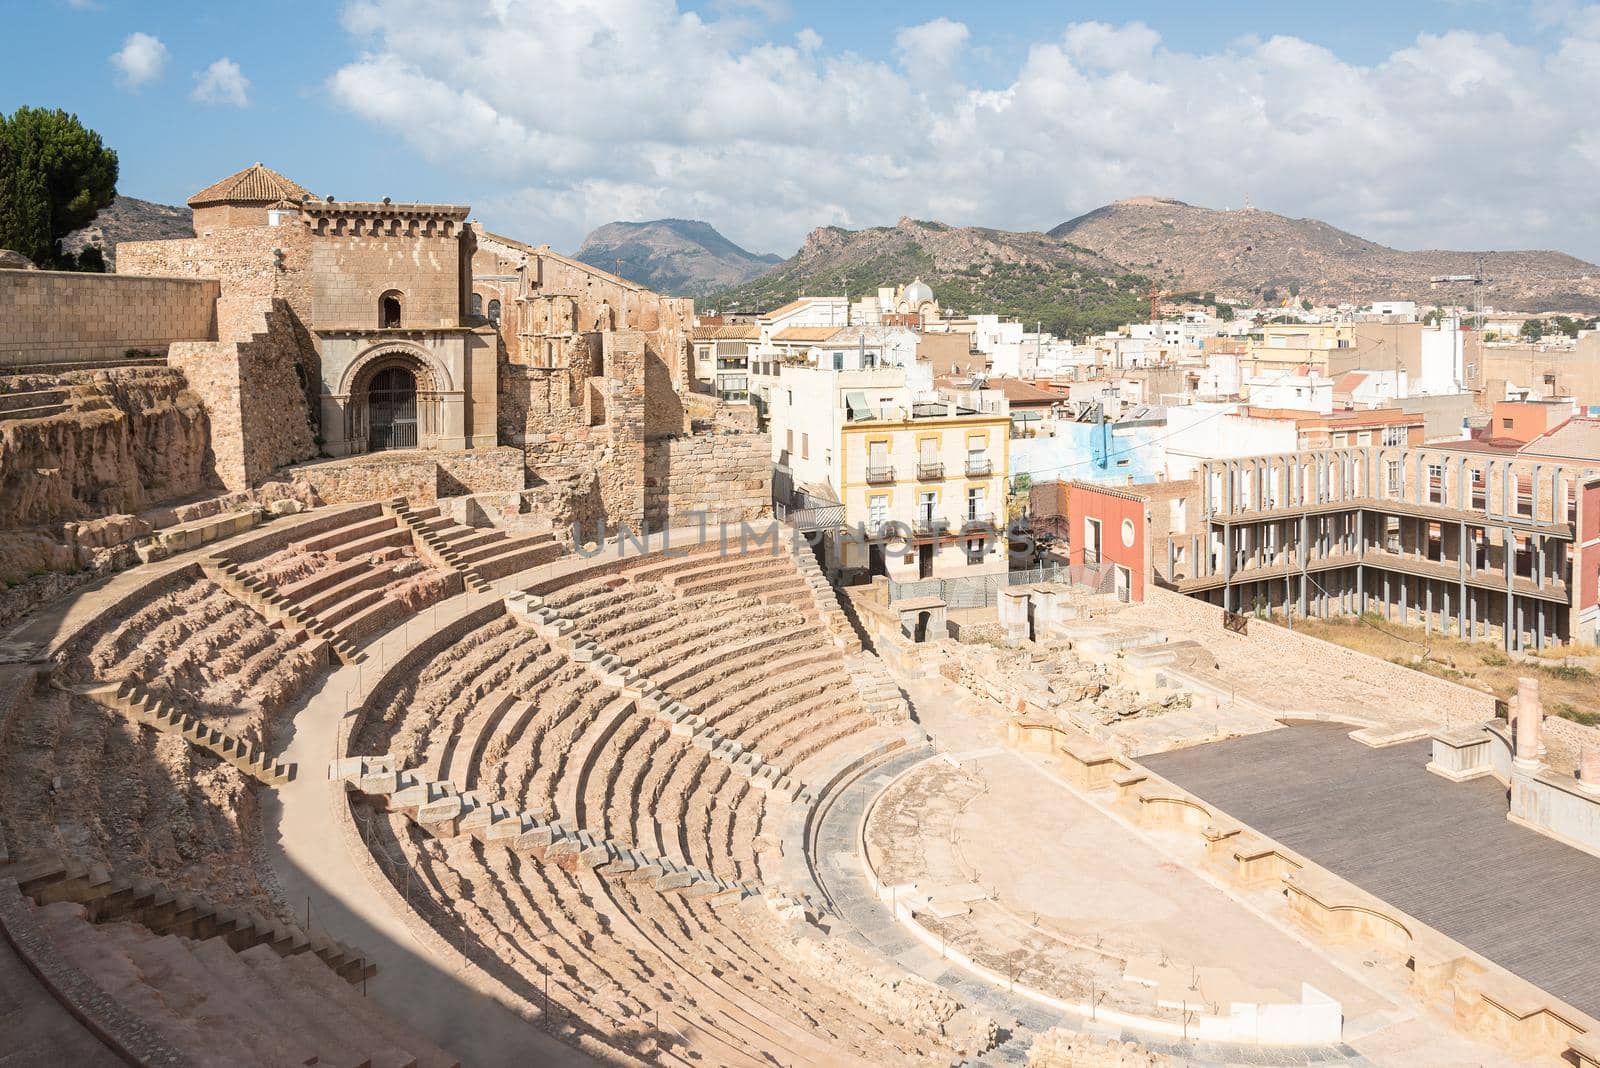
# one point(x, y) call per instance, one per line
point(351, 272)
point(708, 413)
point(550, 305)
point(128, 439)
point(727, 477)
point(1449, 702)
point(259, 418)
point(420, 477)
point(62, 317)
point(245, 260)
point(255, 265)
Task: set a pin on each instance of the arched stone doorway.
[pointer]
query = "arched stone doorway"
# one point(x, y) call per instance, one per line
point(394, 397)
point(392, 410)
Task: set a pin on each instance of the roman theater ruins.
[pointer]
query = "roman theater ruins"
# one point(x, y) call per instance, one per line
point(402, 665)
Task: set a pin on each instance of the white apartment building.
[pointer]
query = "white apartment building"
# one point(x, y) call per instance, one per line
point(924, 478)
point(1311, 393)
point(722, 360)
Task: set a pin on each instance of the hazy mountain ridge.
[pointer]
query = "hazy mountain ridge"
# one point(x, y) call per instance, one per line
point(972, 270)
point(682, 257)
point(131, 219)
point(1240, 253)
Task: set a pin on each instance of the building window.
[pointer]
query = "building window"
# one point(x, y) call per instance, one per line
point(877, 511)
point(389, 310)
point(977, 496)
point(805, 446)
point(788, 444)
point(494, 312)
point(1394, 435)
point(927, 501)
point(1392, 476)
point(477, 304)
point(1505, 424)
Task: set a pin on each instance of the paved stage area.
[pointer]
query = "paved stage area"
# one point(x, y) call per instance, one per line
point(1441, 851)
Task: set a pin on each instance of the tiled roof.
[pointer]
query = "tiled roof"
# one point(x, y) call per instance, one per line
point(1576, 439)
point(1347, 383)
point(792, 306)
point(1019, 392)
point(805, 333)
point(727, 333)
point(253, 185)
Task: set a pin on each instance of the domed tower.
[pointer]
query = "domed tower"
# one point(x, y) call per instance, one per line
point(917, 299)
point(244, 198)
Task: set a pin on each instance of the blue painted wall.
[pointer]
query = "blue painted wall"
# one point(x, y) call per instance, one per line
point(1091, 453)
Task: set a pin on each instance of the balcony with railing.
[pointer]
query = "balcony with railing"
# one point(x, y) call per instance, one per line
point(979, 467)
point(978, 519)
point(928, 524)
point(930, 470)
point(880, 475)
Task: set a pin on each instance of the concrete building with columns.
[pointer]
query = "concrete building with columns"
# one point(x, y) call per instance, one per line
point(1475, 541)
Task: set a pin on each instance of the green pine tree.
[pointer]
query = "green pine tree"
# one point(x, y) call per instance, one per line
point(55, 176)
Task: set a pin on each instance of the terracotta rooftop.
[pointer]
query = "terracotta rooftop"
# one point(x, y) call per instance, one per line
point(805, 333)
point(1576, 439)
point(253, 185)
point(792, 306)
point(1023, 394)
point(727, 333)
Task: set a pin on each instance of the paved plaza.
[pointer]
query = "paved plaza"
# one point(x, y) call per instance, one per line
point(1441, 851)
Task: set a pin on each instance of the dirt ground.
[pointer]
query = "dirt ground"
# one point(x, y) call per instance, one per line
point(1569, 676)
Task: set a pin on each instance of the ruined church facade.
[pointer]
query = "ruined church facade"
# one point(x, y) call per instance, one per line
point(354, 327)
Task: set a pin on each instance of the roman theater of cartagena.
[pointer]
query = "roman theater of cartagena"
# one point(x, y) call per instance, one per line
point(402, 663)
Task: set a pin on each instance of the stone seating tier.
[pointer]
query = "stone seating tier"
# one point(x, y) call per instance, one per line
point(478, 554)
point(226, 1006)
point(138, 705)
point(105, 898)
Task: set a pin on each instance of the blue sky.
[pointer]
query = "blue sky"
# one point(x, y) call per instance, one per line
point(1427, 124)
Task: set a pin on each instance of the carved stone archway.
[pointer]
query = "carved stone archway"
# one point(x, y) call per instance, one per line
point(388, 365)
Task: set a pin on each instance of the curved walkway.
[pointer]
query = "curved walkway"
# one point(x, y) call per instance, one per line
point(1390, 1035)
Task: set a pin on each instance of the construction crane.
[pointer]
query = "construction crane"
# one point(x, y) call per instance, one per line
point(1155, 295)
point(1476, 280)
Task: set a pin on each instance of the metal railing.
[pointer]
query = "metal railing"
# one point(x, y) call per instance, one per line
point(972, 591)
point(879, 475)
point(929, 472)
point(980, 468)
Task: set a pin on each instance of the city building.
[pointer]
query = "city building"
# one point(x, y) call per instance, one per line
point(913, 472)
point(1479, 541)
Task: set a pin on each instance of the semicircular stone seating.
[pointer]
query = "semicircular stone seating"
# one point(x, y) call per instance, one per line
point(730, 972)
point(125, 776)
point(351, 578)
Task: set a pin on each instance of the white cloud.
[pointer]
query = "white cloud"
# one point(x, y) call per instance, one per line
point(561, 115)
point(929, 51)
point(222, 83)
point(141, 59)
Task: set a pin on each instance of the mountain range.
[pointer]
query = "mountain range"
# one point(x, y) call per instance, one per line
point(130, 219)
point(1241, 253)
point(677, 256)
point(972, 270)
point(1086, 274)
point(1094, 272)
